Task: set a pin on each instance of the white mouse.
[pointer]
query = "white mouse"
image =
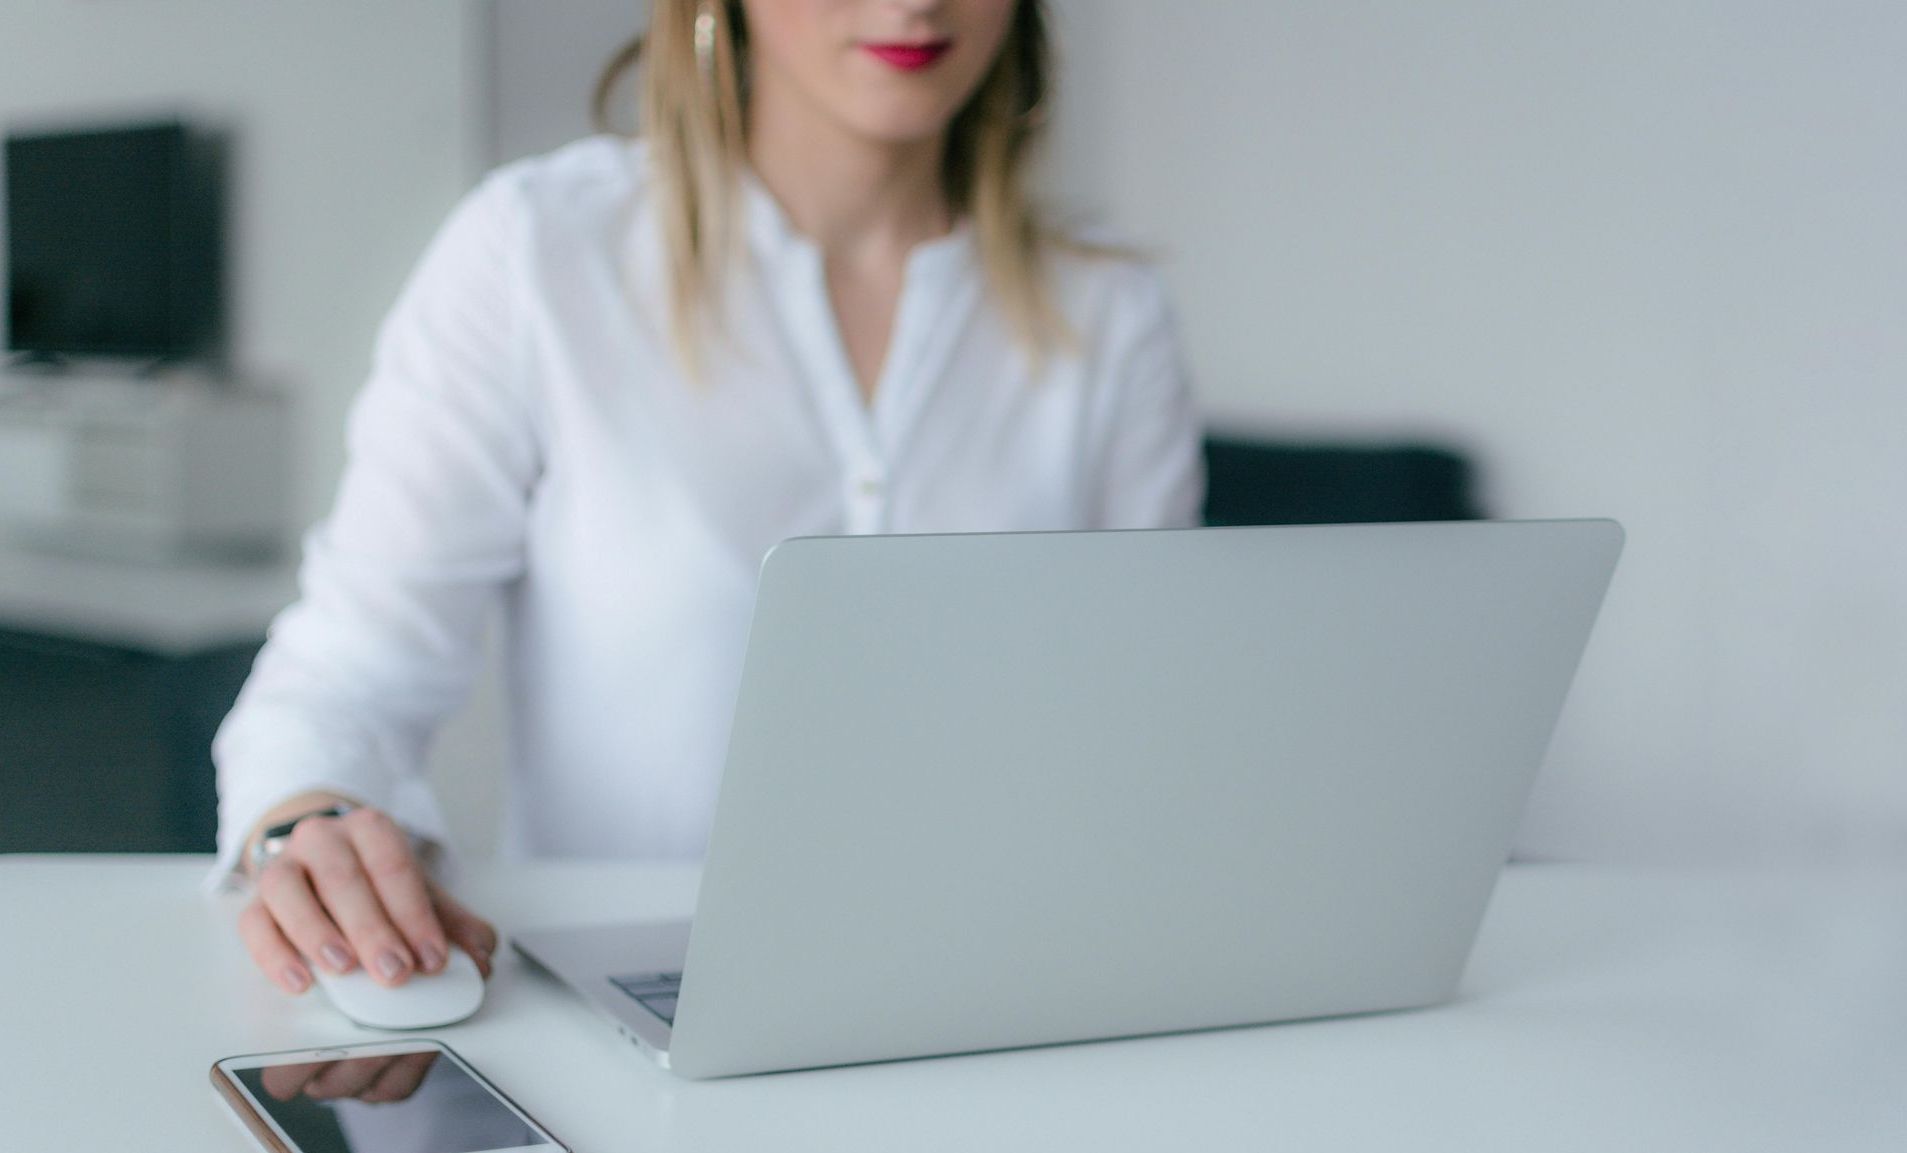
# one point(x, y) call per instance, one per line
point(425, 1001)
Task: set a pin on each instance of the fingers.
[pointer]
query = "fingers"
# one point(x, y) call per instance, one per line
point(398, 880)
point(374, 1079)
point(347, 1078)
point(350, 891)
point(330, 857)
point(401, 1079)
point(471, 933)
point(284, 1082)
point(270, 950)
point(285, 892)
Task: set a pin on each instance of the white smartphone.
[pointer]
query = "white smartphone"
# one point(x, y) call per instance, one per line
point(388, 1097)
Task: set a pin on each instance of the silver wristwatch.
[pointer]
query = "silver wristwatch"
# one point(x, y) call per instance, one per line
point(271, 844)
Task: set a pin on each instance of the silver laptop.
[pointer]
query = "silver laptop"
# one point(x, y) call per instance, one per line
point(991, 791)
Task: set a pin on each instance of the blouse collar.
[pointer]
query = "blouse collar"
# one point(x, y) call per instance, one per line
point(774, 238)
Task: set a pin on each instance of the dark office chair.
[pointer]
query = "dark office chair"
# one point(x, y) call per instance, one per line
point(104, 749)
point(1288, 482)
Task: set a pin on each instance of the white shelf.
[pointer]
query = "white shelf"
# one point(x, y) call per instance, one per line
point(170, 609)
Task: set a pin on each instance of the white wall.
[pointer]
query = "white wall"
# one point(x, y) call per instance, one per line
point(1649, 259)
point(545, 59)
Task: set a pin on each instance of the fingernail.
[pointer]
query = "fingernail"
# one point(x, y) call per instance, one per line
point(335, 957)
point(431, 957)
point(390, 965)
point(294, 978)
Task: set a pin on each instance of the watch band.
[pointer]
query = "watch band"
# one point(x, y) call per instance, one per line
point(271, 843)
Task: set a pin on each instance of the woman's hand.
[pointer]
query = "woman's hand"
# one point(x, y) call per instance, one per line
point(348, 891)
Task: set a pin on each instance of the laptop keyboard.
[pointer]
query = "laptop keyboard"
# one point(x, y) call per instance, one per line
point(655, 992)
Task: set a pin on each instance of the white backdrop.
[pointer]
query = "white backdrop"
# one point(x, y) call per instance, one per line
point(1648, 258)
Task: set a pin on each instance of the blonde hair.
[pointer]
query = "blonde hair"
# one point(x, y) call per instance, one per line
point(695, 125)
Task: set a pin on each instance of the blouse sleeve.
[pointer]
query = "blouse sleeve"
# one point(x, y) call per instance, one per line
point(1152, 471)
point(396, 584)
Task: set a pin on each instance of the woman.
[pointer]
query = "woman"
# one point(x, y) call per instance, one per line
point(812, 298)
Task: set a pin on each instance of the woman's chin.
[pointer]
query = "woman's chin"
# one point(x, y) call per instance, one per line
point(899, 127)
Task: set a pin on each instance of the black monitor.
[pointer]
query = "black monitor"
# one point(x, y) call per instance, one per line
point(115, 243)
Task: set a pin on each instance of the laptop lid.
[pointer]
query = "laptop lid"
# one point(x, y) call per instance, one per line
point(987, 791)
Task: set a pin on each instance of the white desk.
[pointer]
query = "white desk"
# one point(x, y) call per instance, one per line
point(1604, 1010)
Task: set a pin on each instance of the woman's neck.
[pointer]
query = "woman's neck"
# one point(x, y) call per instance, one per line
point(850, 195)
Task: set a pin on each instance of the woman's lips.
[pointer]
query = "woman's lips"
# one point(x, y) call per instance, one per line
point(909, 57)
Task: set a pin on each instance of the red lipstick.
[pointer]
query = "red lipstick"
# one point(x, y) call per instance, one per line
point(909, 57)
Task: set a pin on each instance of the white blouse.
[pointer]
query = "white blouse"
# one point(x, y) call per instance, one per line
point(527, 438)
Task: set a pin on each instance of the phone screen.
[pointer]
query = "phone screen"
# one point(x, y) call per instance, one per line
point(421, 1101)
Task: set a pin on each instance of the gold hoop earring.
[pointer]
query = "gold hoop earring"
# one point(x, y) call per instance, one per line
point(705, 39)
